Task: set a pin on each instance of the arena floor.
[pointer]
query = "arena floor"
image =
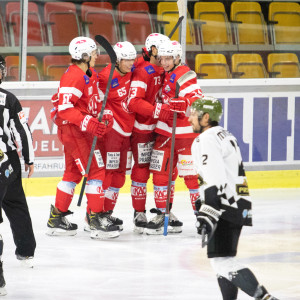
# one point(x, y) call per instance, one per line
point(155, 267)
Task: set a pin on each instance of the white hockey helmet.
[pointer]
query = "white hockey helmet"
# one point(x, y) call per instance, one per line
point(82, 46)
point(170, 48)
point(155, 39)
point(124, 50)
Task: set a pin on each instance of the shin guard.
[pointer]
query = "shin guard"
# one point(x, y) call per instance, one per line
point(228, 289)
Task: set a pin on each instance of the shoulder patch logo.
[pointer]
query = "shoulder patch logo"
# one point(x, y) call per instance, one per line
point(87, 79)
point(150, 69)
point(2, 99)
point(172, 78)
point(114, 83)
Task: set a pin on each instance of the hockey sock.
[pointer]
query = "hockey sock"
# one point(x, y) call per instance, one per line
point(245, 280)
point(172, 192)
point(228, 289)
point(160, 197)
point(139, 195)
point(1, 247)
point(194, 194)
point(64, 195)
point(95, 195)
point(111, 197)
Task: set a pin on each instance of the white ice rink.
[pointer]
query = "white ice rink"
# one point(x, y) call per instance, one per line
point(155, 267)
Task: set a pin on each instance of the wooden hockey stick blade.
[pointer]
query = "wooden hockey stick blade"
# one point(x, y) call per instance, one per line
point(113, 58)
point(184, 78)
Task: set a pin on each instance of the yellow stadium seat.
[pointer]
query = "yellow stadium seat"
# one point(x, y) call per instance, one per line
point(212, 66)
point(248, 66)
point(250, 24)
point(168, 12)
point(283, 65)
point(286, 19)
point(214, 26)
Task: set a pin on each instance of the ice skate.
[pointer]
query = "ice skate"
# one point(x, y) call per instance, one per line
point(115, 221)
point(156, 225)
point(175, 226)
point(2, 281)
point(59, 225)
point(87, 227)
point(139, 221)
point(26, 261)
point(261, 290)
point(101, 227)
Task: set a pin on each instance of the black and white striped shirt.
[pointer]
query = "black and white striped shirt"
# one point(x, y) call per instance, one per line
point(14, 129)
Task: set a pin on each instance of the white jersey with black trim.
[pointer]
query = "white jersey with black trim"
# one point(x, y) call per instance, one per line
point(14, 128)
point(217, 159)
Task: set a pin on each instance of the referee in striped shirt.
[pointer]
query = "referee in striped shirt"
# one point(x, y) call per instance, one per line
point(14, 130)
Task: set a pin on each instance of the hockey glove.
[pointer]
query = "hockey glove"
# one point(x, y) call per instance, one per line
point(162, 112)
point(93, 126)
point(207, 219)
point(108, 119)
point(179, 104)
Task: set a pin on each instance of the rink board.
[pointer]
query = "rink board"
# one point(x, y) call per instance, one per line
point(263, 114)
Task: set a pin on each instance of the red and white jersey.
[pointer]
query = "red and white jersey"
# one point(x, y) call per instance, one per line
point(189, 90)
point(146, 83)
point(77, 96)
point(117, 99)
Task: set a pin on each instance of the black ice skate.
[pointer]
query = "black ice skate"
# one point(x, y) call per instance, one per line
point(262, 294)
point(139, 221)
point(115, 221)
point(59, 225)
point(101, 227)
point(156, 224)
point(2, 282)
point(175, 226)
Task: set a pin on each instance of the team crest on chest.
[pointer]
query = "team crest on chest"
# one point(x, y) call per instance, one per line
point(167, 88)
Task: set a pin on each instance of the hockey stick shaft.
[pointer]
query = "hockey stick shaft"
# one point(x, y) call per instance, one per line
point(180, 5)
point(166, 221)
point(113, 58)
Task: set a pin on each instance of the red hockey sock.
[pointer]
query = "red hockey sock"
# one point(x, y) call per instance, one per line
point(139, 195)
point(64, 195)
point(160, 197)
point(194, 194)
point(111, 197)
point(95, 196)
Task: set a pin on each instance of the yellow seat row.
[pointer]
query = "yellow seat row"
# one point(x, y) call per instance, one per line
point(279, 65)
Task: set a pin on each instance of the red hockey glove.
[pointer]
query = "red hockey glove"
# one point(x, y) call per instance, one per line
point(179, 104)
point(162, 112)
point(108, 119)
point(93, 126)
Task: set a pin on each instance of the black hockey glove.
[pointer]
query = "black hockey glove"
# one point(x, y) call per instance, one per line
point(207, 219)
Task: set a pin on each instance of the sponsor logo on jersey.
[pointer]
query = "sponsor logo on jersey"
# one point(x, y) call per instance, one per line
point(242, 189)
point(150, 69)
point(2, 99)
point(167, 88)
point(87, 79)
point(114, 83)
point(172, 78)
point(22, 116)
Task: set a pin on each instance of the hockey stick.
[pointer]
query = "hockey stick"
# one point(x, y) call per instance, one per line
point(180, 5)
point(113, 58)
point(206, 238)
point(183, 79)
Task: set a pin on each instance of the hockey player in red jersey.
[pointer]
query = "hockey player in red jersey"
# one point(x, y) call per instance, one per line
point(144, 99)
point(116, 143)
point(77, 123)
point(169, 54)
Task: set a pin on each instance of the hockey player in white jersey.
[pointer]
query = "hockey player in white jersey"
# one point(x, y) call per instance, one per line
point(226, 204)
